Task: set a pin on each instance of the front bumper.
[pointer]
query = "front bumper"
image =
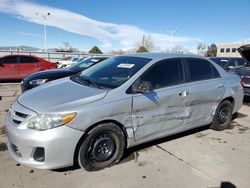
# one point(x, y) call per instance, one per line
point(58, 145)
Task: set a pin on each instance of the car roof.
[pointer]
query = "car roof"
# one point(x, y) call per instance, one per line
point(26, 55)
point(226, 58)
point(159, 56)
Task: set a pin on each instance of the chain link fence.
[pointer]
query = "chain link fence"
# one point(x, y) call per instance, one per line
point(49, 56)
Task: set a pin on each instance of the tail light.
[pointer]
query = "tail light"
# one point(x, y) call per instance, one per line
point(242, 83)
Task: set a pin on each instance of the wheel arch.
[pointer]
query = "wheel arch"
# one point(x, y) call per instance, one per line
point(230, 99)
point(121, 126)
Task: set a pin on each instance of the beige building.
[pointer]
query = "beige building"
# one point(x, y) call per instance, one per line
point(229, 49)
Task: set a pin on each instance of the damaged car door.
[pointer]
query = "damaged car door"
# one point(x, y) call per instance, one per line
point(160, 100)
point(206, 89)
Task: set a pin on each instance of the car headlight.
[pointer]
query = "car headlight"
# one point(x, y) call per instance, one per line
point(38, 82)
point(49, 121)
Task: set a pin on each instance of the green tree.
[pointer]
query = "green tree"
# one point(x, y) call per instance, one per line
point(141, 49)
point(95, 50)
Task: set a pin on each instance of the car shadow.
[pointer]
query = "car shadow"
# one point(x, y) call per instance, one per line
point(227, 185)
point(11, 81)
point(144, 146)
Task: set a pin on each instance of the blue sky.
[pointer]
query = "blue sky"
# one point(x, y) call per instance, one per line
point(119, 24)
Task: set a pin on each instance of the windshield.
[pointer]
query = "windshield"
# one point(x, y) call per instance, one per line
point(112, 72)
point(75, 59)
point(85, 63)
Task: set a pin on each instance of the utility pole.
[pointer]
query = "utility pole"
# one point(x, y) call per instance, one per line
point(172, 32)
point(44, 16)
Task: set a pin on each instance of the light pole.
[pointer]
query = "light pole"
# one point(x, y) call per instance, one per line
point(44, 16)
point(171, 31)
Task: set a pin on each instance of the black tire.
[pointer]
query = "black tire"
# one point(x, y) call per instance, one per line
point(223, 116)
point(103, 146)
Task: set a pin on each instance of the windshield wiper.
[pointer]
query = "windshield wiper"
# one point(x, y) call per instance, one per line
point(87, 81)
point(94, 83)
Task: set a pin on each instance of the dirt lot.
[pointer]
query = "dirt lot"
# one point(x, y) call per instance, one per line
point(197, 158)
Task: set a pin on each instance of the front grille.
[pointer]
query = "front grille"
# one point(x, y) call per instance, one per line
point(16, 122)
point(21, 114)
point(18, 117)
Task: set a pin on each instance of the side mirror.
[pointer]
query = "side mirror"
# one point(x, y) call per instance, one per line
point(142, 87)
point(1, 65)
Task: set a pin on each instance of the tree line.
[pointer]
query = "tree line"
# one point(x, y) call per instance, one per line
point(146, 44)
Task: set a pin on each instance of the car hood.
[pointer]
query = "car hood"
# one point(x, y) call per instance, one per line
point(245, 52)
point(53, 73)
point(60, 95)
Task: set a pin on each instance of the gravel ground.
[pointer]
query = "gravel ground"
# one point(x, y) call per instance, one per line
point(197, 158)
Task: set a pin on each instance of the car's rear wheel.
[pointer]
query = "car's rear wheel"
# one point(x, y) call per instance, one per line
point(223, 116)
point(103, 146)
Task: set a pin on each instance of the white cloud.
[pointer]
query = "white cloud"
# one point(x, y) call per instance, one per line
point(107, 33)
point(30, 34)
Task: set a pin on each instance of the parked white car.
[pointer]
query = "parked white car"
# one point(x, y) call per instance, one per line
point(67, 61)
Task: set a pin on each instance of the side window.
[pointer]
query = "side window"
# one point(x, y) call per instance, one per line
point(216, 74)
point(9, 60)
point(27, 59)
point(165, 73)
point(200, 69)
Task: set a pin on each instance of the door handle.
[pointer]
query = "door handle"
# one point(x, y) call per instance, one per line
point(220, 86)
point(184, 93)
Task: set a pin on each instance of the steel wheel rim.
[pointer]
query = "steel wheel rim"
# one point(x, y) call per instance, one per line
point(102, 148)
point(223, 114)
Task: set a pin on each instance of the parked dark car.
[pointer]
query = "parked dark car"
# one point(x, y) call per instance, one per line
point(39, 78)
point(244, 72)
point(16, 67)
point(228, 63)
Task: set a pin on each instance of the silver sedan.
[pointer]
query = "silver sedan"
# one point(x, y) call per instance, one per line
point(92, 117)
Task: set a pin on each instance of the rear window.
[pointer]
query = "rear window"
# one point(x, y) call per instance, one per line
point(200, 69)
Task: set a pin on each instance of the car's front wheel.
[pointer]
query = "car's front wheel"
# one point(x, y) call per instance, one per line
point(223, 116)
point(103, 146)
